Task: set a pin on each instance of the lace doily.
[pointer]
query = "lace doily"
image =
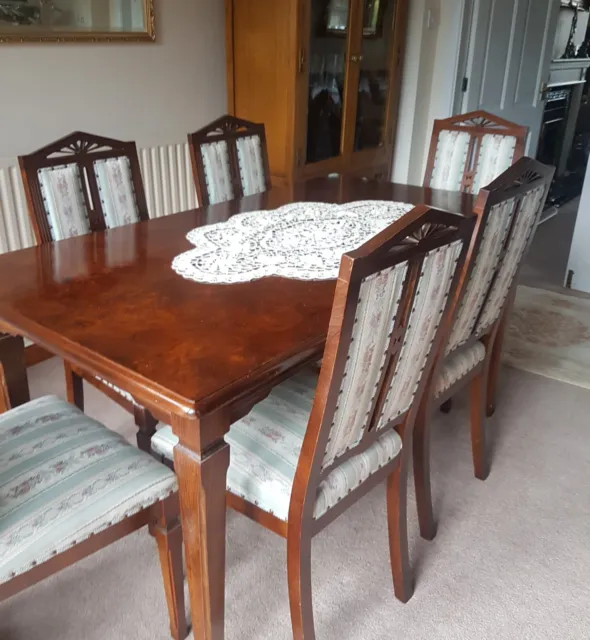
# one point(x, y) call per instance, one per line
point(303, 241)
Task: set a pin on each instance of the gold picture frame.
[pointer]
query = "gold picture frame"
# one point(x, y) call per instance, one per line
point(15, 29)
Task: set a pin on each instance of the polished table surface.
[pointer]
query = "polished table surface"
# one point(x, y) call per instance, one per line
point(200, 355)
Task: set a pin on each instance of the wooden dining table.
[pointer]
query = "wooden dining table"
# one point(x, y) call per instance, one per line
point(197, 355)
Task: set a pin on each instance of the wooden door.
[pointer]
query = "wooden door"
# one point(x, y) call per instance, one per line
point(509, 56)
point(348, 90)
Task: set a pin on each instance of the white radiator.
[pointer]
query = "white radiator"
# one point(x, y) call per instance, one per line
point(167, 178)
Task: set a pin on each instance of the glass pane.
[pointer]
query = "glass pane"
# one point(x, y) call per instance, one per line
point(327, 51)
point(374, 73)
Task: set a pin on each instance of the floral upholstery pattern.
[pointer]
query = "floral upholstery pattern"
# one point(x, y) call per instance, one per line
point(379, 298)
point(265, 448)
point(530, 208)
point(457, 365)
point(251, 165)
point(217, 171)
point(63, 199)
point(495, 156)
point(486, 263)
point(63, 478)
point(450, 160)
point(117, 194)
point(438, 270)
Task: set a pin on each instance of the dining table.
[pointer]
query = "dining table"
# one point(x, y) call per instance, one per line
point(197, 355)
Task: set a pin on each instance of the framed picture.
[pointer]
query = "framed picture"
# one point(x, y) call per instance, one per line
point(337, 17)
point(76, 20)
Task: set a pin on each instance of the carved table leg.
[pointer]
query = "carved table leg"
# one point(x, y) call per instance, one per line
point(202, 479)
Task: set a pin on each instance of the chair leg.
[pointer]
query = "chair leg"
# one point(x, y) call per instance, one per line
point(299, 579)
point(397, 499)
point(421, 452)
point(494, 371)
point(146, 427)
point(168, 534)
point(447, 406)
point(74, 387)
point(479, 444)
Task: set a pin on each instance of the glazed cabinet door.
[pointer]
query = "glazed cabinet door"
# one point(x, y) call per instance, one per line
point(327, 53)
point(350, 68)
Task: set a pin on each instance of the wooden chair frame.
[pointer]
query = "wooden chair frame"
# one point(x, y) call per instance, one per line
point(230, 129)
point(162, 518)
point(477, 124)
point(420, 231)
point(84, 149)
point(522, 177)
point(81, 149)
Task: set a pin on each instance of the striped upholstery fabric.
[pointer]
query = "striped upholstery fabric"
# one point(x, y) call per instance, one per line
point(488, 256)
point(529, 212)
point(450, 160)
point(63, 199)
point(116, 191)
point(434, 285)
point(458, 364)
point(495, 156)
point(379, 297)
point(217, 171)
point(265, 448)
point(63, 478)
point(251, 165)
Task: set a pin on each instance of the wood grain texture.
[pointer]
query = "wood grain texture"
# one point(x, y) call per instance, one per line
point(196, 355)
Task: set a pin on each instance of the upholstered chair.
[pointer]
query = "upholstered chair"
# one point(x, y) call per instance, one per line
point(317, 444)
point(507, 212)
point(468, 151)
point(69, 487)
point(77, 185)
point(229, 159)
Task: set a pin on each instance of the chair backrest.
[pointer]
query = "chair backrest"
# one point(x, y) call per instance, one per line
point(391, 300)
point(468, 151)
point(229, 159)
point(82, 183)
point(507, 213)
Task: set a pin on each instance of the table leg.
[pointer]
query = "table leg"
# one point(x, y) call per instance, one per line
point(202, 478)
point(14, 386)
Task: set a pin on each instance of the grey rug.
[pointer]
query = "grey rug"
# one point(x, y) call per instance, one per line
point(511, 559)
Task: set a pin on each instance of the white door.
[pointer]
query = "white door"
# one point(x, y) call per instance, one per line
point(510, 48)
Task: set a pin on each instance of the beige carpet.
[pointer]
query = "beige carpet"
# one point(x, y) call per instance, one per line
point(549, 334)
point(511, 560)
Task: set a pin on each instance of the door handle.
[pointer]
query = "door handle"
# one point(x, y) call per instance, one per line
point(544, 90)
point(356, 58)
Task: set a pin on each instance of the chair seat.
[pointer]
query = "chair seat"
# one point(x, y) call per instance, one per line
point(265, 448)
point(63, 478)
point(457, 365)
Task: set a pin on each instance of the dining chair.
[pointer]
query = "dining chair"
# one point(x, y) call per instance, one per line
point(70, 487)
point(468, 151)
point(80, 184)
point(317, 444)
point(507, 211)
point(229, 159)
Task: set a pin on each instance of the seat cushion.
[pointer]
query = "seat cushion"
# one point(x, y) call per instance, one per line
point(265, 448)
point(63, 478)
point(458, 364)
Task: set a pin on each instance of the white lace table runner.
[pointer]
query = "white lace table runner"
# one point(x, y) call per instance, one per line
point(304, 241)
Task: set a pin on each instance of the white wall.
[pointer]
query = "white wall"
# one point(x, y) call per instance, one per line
point(579, 260)
point(151, 93)
point(428, 85)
